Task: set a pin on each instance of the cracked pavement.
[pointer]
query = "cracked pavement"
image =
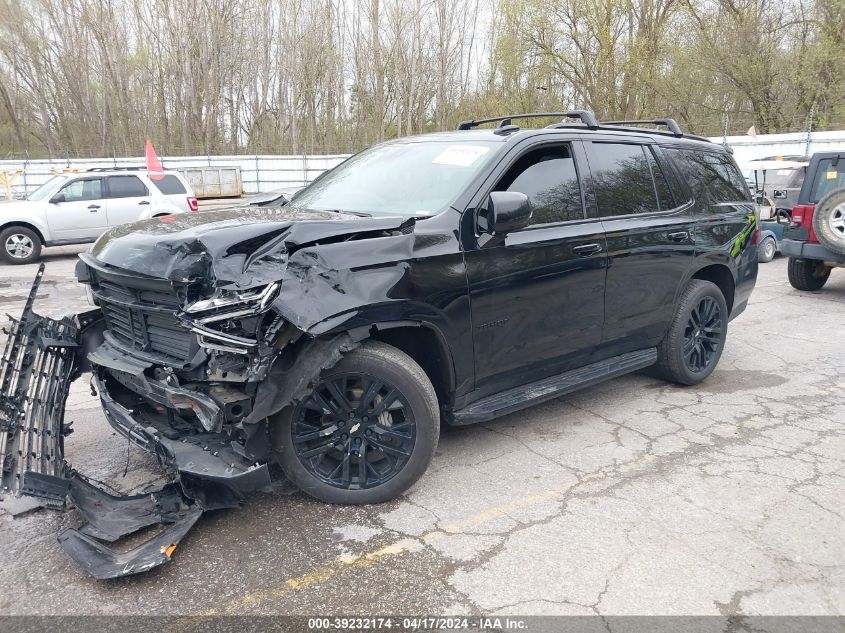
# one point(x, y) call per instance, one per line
point(631, 497)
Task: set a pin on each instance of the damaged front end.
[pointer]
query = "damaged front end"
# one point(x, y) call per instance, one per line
point(202, 333)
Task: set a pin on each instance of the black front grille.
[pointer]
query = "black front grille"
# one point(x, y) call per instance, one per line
point(140, 315)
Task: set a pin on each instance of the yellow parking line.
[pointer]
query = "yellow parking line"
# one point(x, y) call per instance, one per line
point(402, 546)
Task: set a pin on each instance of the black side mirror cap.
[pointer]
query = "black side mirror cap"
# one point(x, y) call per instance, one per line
point(506, 211)
point(59, 197)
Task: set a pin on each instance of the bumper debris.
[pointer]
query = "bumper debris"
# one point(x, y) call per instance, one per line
point(41, 358)
point(38, 364)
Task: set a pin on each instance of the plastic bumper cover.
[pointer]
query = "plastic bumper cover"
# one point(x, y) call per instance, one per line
point(809, 250)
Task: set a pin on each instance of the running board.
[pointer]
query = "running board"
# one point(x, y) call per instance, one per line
point(536, 392)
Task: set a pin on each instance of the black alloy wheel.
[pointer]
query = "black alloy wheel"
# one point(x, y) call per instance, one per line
point(691, 348)
point(703, 335)
point(354, 432)
point(365, 433)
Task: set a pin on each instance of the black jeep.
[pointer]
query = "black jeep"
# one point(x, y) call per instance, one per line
point(448, 278)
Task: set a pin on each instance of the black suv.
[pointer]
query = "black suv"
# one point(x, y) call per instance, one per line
point(446, 278)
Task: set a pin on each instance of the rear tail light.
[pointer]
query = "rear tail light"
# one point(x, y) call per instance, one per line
point(802, 216)
point(193, 205)
point(755, 236)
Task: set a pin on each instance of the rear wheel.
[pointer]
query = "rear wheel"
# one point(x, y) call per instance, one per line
point(20, 245)
point(365, 433)
point(829, 221)
point(766, 250)
point(807, 274)
point(691, 349)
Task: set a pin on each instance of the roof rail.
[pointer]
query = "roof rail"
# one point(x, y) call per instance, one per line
point(139, 168)
point(670, 124)
point(586, 117)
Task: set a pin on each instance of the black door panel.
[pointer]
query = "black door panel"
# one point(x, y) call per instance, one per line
point(537, 304)
point(646, 266)
point(537, 294)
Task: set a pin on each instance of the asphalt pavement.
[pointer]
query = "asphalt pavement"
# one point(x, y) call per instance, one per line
point(631, 497)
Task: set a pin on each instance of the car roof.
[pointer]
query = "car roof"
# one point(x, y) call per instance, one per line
point(514, 134)
point(765, 165)
point(122, 171)
point(822, 155)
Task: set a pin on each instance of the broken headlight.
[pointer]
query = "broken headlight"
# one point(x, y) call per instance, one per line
point(219, 319)
point(257, 299)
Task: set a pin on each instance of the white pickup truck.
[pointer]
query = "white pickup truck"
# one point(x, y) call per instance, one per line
point(76, 208)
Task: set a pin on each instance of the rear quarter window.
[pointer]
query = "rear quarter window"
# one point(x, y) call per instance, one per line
point(712, 177)
point(170, 185)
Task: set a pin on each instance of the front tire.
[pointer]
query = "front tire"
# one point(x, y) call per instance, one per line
point(693, 345)
point(366, 433)
point(807, 274)
point(19, 245)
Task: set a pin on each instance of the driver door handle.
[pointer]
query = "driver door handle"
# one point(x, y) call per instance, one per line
point(586, 249)
point(680, 236)
point(144, 202)
point(93, 207)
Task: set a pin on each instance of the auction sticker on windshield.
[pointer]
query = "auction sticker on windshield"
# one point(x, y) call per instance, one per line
point(460, 155)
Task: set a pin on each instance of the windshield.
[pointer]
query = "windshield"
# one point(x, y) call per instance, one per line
point(777, 177)
point(417, 178)
point(47, 188)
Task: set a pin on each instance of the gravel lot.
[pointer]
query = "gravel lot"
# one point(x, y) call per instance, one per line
point(632, 497)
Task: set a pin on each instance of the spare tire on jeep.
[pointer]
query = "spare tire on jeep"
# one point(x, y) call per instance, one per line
point(829, 221)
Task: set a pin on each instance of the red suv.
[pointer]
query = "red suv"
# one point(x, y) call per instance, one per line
point(815, 239)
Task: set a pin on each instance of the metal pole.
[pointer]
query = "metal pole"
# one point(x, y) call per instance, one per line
point(809, 129)
point(725, 132)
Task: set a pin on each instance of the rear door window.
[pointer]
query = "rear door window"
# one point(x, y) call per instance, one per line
point(622, 179)
point(126, 187)
point(170, 185)
point(827, 178)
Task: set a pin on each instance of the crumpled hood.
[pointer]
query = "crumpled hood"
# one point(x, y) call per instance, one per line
point(241, 246)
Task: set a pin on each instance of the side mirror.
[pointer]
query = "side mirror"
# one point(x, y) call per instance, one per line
point(59, 197)
point(506, 211)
